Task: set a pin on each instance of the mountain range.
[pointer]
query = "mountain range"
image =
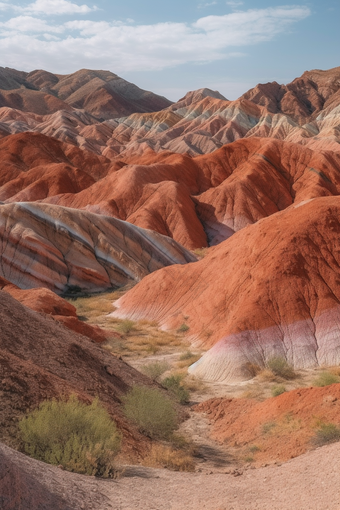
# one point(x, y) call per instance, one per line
point(102, 183)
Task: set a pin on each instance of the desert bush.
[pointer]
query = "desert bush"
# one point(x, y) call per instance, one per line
point(278, 389)
point(81, 438)
point(325, 379)
point(170, 458)
point(126, 326)
point(174, 384)
point(251, 369)
point(187, 355)
point(326, 433)
point(155, 369)
point(183, 328)
point(151, 411)
point(280, 367)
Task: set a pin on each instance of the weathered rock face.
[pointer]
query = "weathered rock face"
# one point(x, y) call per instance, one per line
point(68, 250)
point(256, 177)
point(271, 289)
point(40, 359)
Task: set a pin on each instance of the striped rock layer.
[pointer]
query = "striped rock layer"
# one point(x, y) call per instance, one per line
point(70, 251)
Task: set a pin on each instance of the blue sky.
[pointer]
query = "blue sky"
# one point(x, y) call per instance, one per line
point(171, 47)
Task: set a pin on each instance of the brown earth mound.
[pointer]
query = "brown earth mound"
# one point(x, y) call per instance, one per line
point(272, 289)
point(278, 428)
point(45, 301)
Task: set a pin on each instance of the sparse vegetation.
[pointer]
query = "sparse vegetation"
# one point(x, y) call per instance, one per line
point(280, 367)
point(254, 448)
point(155, 369)
point(268, 427)
point(187, 358)
point(187, 355)
point(326, 433)
point(278, 389)
point(151, 411)
point(170, 458)
point(200, 252)
point(174, 384)
point(126, 326)
point(183, 328)
point(325, 379)
point(81, 438)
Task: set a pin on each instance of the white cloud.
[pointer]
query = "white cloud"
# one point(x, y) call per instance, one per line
point(206, 4)
point(28, 24)
point(234, 4)
point(49, 7)
point(123, 46)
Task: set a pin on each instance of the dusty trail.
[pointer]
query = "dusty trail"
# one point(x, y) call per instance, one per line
point(309, 482)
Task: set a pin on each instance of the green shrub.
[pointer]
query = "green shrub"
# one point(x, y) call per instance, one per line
point(278, 389)
point(327, 433)
point(173, 383)
point(325, 379)
point(280, 367)
point(81, 438)
point(151, 411)
point(155, 369)
point(183, 328)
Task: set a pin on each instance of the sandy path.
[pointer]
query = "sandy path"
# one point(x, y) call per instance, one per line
point(309, 482)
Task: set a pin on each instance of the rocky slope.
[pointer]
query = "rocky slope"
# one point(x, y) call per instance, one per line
point(40, 359)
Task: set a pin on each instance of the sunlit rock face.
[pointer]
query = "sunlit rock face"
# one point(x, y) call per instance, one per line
point(272, 289)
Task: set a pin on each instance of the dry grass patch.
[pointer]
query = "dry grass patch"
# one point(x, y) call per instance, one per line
point(165, 456)
point(187, 358)
point(254, 391)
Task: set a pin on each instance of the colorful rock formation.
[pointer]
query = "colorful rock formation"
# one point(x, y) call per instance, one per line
point(272, 289)
point(70, 251)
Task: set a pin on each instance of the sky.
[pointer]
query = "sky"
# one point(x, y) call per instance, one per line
point(173, 46)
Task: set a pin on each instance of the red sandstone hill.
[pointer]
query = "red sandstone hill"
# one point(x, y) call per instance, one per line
point(101, 93)
point(196, 201)
point(303, 98)
point(272, 289)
